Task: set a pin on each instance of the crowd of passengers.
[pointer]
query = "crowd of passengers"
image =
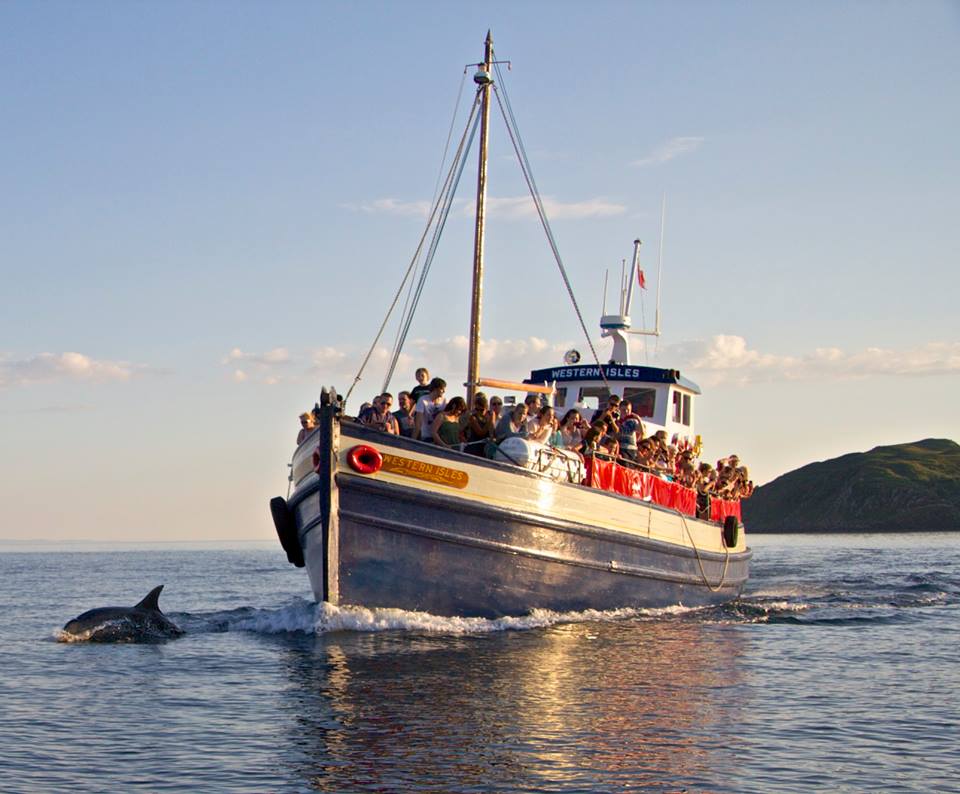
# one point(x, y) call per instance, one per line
point(614, 432)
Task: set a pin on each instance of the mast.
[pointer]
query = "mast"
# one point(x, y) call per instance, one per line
point(484, 81)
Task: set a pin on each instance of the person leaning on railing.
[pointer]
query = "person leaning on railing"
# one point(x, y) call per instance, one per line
point(541, 428)
point(513, 423)
point(572, 428)
point(378, 415)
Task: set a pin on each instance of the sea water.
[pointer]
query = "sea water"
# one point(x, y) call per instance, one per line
point(837, 671)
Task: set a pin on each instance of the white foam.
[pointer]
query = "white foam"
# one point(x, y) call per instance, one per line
point(300, 617)
point(352, 618)
point(781, 606)
point(308, 618)
point(806, 591)
point(304, 617)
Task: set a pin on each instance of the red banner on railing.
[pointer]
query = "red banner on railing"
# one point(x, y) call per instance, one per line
point(606, 475)
point(721, 508)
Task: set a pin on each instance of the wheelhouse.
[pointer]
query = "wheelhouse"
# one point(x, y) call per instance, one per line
point(663, 398)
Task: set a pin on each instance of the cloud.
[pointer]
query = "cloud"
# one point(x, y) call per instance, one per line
point(280, 366)
point(718, 360)
point(326, 357)
point(505, 207)
point(277, 356)
point(500, 358)
point(517, 207)
point(510, 359)
point(49, 409)
point(729, 359)
point(391, 206)
point(672, 148)
point(268, 367)
point(70, 366)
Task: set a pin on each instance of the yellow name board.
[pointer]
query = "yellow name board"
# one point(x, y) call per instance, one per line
point(421, 470)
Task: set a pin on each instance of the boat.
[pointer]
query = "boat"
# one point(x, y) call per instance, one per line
point(384, 521)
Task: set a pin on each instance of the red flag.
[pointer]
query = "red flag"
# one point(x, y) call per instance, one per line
point(641, 280)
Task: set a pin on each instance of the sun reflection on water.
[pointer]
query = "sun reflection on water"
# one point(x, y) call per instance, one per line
point(636, 704)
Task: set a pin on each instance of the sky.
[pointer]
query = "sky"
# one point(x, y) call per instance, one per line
point(207, 207)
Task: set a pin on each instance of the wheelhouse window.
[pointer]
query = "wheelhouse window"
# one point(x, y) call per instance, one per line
point(681, 404)
point(644, 401)
point(593, 396)
point(560, 398)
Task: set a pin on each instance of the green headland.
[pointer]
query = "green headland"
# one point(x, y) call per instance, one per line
point(901, 488)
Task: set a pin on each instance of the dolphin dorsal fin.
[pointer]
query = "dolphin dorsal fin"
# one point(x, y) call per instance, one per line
point(152, 599)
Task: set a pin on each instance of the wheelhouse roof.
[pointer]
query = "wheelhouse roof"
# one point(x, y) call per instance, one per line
point(614, 372)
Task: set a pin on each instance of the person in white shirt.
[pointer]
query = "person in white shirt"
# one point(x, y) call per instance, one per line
point(542, 426)
point(427, 409)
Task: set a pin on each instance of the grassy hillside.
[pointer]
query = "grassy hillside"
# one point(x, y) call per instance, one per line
point(902, 488)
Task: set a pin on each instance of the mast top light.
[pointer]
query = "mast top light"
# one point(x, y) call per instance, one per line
point(482, 77)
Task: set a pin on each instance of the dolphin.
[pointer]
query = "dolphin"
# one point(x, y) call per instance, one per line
point(141, 623)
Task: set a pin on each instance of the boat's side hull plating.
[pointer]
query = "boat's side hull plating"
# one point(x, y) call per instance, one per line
point(404, 543)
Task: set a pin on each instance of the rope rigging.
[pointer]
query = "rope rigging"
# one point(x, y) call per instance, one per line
point(460, 155)
point(398, 342)
point(446, 199)
point(514, 133)
point(437, 220)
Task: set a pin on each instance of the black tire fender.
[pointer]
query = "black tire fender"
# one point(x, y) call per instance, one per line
point(287, 531)
point(731, 531)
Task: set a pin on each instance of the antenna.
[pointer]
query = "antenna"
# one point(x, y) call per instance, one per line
point(623, 286)
point(606, 277)
point(663, 216)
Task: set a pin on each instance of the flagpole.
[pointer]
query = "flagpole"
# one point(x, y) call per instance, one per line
point(633, 276)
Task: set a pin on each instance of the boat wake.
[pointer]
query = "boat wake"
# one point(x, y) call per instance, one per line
point(789, 605)
point(305, 617)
